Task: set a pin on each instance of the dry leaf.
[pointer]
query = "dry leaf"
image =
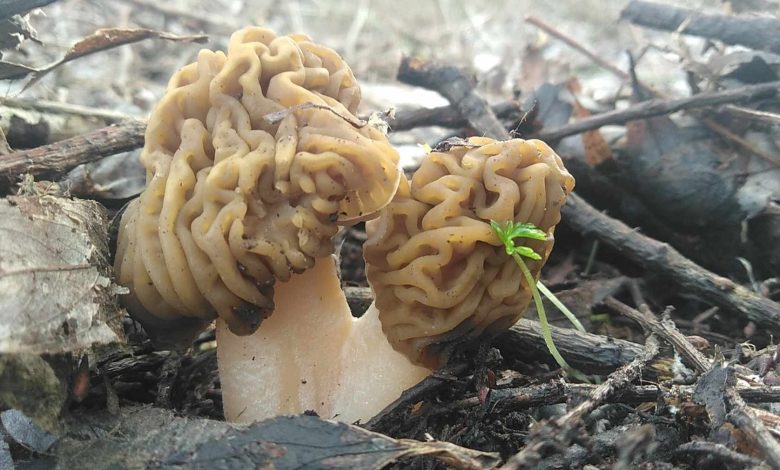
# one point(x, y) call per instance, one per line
point(14, 30)
point(104, 39)
point(150, 437)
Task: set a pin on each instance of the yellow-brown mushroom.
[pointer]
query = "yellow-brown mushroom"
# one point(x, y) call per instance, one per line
point(253, 158)
point(439, 272)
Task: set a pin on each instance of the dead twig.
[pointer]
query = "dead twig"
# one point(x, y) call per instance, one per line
point(587, 352)
point(523, 398)
point(666, 330)
point(277, 116)
point(447, 116)
point(453, 84)
point(665, 260)
point(55, 107)
point(658, 107)
point(560, 432)
point(55, 159)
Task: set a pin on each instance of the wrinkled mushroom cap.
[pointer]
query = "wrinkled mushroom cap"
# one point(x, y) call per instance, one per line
point(439, 272)
point(236, 200)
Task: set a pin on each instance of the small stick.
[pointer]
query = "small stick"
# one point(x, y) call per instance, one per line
point(56, 107)
point(278, 116)
point(591, 353)
point(588, 352)
point(666, 330)
point(699, 450)
point(523, 398)
point(744, 417)
point(446, 116)
point(658, 107)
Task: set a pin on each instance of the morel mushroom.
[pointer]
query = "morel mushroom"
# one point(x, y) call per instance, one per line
point(235, 200)
point(440, 274)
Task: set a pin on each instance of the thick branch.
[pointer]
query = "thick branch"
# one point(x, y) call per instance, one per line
point(757, 32)
point(587, 352)
point(662, 258)
point(55, 159)
point(453, 84)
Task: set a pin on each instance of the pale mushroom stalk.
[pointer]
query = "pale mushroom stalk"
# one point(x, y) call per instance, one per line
point(312, 354)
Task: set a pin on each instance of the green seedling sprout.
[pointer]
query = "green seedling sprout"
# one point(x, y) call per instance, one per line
point(507, 234)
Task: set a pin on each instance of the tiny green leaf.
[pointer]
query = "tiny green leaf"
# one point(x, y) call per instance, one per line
point(513, 230)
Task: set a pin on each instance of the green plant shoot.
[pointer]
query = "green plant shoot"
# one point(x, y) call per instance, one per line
point(507, 234)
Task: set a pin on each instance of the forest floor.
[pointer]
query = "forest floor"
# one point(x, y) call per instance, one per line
point(667, 115)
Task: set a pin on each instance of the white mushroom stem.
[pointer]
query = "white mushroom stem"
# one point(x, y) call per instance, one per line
point(311, 354)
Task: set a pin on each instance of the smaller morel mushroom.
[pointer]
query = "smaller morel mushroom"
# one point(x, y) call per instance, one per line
point(439, 272)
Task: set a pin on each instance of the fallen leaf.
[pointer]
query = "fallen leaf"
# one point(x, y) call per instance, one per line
point(14, 30)
point(56, 295)
point(144, 437)
point(710, 391)
point(597, 149)
point(24, 431)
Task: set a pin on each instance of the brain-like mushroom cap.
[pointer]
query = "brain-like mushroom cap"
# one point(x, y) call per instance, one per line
point(439, 272)
point(235, 200)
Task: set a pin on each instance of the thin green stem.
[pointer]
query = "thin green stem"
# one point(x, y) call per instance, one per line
point(544, 324)
point(546, 333)
point(560, 306)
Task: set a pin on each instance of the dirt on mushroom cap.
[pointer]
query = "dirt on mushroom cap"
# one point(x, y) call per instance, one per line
point(439, 272)
point(234, 200)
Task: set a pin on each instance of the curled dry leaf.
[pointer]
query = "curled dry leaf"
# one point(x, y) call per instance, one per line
point(100, 40)
point(149, 437)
